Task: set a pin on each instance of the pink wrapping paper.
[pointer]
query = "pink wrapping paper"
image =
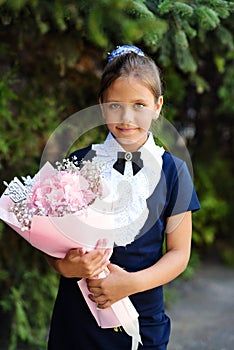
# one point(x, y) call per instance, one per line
point(56, 235)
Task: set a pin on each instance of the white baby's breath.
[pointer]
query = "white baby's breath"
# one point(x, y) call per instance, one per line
point(72, 188)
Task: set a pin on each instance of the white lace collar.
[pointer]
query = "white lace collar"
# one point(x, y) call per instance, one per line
point(129, 193)
point(110, 147)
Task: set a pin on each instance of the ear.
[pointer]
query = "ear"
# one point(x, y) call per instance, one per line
point(158, 106)
point(102, 108)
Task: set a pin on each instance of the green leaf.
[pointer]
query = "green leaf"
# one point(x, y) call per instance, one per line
point(225, 37)
point(43, 26)
point(220, 63)
point(96, 32)
point(183, 9)
point(165, 7)
point(186, 61)
point(207, 18)
point(190, 31)
point(181, 40)
point(139, 9)
point(200, 83)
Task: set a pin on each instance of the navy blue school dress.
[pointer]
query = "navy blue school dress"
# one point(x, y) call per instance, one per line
point(73, 327)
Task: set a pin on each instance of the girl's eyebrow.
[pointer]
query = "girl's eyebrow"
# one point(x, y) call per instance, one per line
point(140, 101)
point(120, 101)
point(113, 100)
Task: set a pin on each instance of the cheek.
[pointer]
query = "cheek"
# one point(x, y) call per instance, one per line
point(111, 126)
point(144, 119)
point(113, 118)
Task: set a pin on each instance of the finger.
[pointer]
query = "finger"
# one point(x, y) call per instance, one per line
point(98, 299)
point(71, 252)
point(94, 255)
point(101, 244)
point(74, 253)
point(102, 269)
point(96, 265)
point(95, 291)
point(101, 272)
point(93, 283)
point(99, 260)
point(108, 253)
point(81, 251)
point(104, 305)
point(94, 272)
point(94, 296)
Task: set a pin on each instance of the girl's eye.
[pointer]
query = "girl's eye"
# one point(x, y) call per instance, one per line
point(114, 106)
point(139, 106)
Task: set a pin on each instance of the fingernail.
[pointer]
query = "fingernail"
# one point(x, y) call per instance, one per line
point(82, 250)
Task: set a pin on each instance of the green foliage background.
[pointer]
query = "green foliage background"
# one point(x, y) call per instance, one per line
point(51, 57)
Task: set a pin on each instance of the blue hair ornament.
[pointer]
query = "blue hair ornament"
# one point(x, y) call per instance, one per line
point(123, 50)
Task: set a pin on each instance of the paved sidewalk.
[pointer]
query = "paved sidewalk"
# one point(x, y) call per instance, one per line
point(203, 313)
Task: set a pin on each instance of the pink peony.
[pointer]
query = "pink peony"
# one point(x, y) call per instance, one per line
point(77, 191)
point(65, 190)
point(62, 193)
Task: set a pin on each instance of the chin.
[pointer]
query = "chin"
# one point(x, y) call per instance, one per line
point(137, 140)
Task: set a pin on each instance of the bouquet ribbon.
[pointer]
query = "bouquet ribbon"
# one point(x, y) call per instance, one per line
point(121, 313)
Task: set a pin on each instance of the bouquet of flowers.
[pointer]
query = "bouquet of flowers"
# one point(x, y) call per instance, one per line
point(55, 209)
point(63, 208)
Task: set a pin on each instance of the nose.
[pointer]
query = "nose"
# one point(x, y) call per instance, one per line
point(128, 114)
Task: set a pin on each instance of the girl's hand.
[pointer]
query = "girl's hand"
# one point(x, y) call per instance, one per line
point(81, 264)
point(108, 290)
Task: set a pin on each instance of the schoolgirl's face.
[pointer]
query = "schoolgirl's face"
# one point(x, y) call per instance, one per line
point(129, 107)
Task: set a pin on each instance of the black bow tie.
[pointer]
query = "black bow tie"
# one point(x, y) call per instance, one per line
point(134, 157)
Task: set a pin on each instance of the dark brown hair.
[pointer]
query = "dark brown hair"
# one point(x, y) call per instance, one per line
point(141, 67)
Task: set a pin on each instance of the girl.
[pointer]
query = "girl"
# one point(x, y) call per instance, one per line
point(158, 197)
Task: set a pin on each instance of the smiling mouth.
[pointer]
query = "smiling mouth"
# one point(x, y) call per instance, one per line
point(126, 129)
